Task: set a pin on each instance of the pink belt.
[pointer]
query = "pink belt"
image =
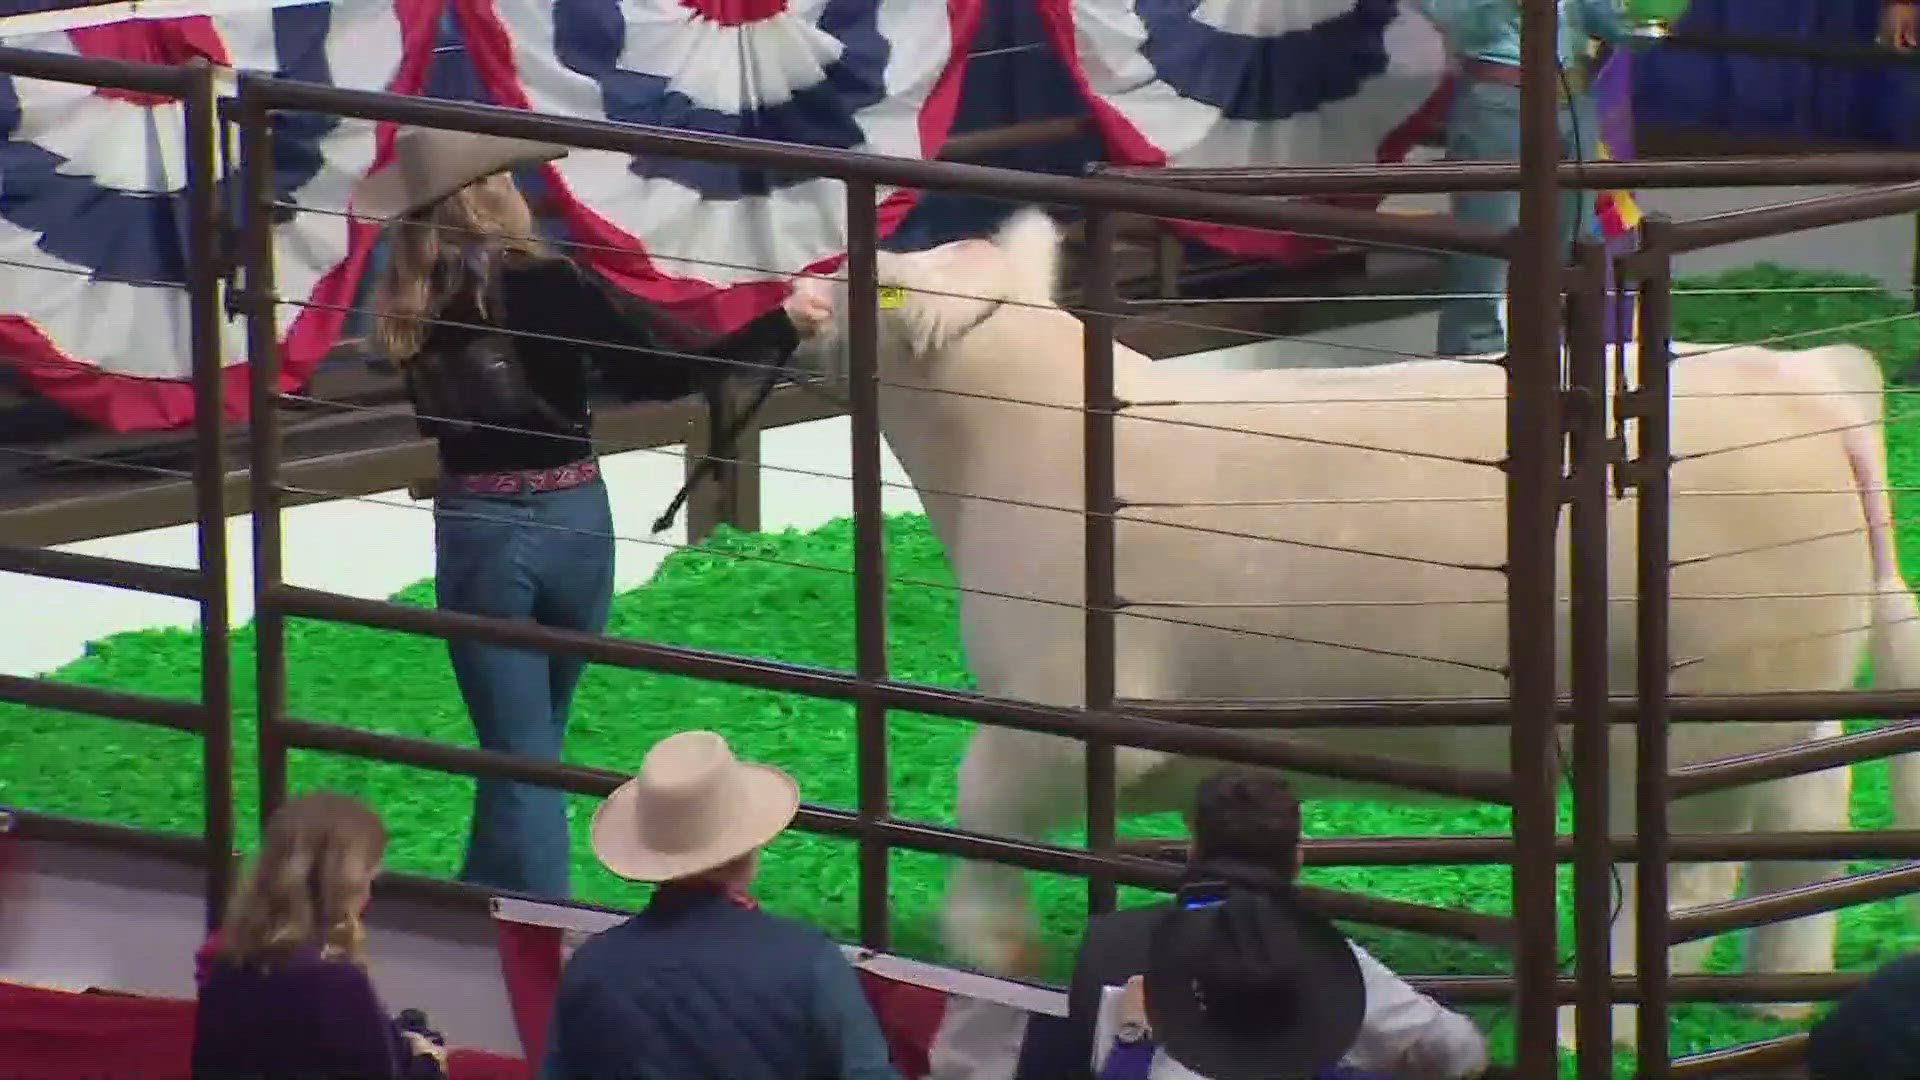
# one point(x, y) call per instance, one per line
point(558, 478)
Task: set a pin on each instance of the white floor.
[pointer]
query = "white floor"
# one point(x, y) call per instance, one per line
point(373, 546)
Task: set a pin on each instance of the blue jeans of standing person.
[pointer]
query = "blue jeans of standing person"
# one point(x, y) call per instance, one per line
point(1484, 125)
point(546, 556)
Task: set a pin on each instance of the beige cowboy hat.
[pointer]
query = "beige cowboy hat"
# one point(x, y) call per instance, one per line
point(429, 164)
point(692, 807)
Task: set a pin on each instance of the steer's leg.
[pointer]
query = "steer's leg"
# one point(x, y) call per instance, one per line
point(1687, 885)
point(1818, 802)
point(1014, 784)
point(1697, 884)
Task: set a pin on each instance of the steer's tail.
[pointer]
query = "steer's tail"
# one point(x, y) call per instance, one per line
point(1894, 641)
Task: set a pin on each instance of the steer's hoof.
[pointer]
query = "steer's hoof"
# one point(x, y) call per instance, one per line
point(1625, 1032)
point(994, 940)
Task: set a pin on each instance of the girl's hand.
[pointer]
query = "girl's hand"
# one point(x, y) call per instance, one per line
point(1133, 1004)
point(420, 1044)
point(809, 305)
point(1901, 26)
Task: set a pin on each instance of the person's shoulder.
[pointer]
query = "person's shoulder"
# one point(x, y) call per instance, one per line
point(1863, 1022)
point(562, 289)
point(785, 928)
point(612, 940)
point(302, 974)
point(1114, 944)
point(330, 972)
point(540, 268)
point(800, 944)
point(1127, 921)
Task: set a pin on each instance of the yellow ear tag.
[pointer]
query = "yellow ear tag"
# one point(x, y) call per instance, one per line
point(891, 296)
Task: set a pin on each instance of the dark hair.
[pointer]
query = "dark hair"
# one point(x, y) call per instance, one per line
point(1247, 819)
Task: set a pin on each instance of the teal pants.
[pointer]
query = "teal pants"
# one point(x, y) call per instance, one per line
point(1484, 125)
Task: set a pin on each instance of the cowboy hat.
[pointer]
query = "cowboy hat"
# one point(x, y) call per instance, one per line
point(692, 807)
point(429, 164)
point(1252, 988)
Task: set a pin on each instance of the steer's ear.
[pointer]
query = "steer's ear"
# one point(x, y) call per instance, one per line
point(1031, 239)
point(926, 327)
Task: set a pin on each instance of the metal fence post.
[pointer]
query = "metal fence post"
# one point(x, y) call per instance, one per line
point(1650, 405)
point(205, 249)
point(1098, 296)
point(263, 380)
point(1534, 450)
point(869, 554)
point(1592, 457)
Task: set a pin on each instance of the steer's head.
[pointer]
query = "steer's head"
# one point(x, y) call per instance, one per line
point(929, 300)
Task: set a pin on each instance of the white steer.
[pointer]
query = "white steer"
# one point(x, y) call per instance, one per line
point(1353, 521)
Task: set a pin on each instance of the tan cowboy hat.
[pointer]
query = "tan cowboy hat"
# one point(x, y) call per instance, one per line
point(692, 807)
point(429, 164)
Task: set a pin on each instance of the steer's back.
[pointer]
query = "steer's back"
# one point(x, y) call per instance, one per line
point(1772, 568)
point(1351, 523)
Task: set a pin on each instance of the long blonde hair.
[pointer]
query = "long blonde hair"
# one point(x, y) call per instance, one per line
point(320, 854)
point(487, 217)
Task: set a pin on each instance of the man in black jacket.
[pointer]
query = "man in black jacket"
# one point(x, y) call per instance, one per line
point(1874, 1032)
point(1246, 835)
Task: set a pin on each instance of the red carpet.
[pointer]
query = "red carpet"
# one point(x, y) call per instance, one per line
point(60, 1035)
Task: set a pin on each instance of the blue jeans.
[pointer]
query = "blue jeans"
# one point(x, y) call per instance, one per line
point(1483, 124)
point(545, 556)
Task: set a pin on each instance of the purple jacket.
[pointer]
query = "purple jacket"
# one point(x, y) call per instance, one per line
point(303, 1018)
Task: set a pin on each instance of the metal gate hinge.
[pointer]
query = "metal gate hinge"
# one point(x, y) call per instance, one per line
point(226, 247)
point(1633, 474)
point(1631, 404)
point(1577, 403)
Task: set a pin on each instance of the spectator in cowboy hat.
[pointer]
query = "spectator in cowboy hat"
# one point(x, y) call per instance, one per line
point(501, 340)
point(1238, 982)
point(1873, 1033)
point(1242, 987)
point(703, 984)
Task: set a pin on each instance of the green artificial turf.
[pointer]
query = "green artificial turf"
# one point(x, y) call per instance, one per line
point(714, 598)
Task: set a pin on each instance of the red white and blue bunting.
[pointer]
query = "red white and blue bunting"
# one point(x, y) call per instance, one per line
point(711, 242)
point(1221, 83)
point(92, 255)
point(92, 207)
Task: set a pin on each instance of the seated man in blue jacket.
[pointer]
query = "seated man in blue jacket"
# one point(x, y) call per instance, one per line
point(703, 985)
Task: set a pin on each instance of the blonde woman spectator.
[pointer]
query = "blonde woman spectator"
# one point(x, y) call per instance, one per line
point(284, 990)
